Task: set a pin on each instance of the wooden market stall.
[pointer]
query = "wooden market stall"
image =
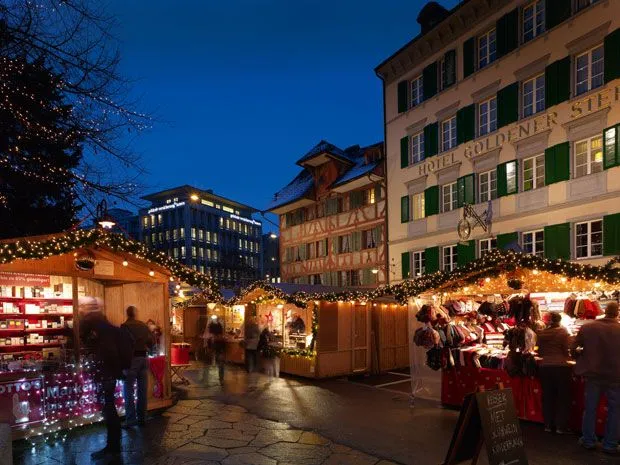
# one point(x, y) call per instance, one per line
point(390, 335)
point(45, 282)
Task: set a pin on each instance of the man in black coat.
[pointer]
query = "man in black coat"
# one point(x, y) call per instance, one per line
point(102, 338)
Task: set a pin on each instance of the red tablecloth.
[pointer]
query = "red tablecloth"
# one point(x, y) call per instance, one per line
point(527, 392)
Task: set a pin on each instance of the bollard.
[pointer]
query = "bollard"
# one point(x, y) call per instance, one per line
point(6, 446)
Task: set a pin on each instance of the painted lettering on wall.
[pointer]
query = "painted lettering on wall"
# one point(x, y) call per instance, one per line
point(595, 102)
point(436, 163)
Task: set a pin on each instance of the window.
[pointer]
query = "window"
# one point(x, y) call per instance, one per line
point(175, 252)
point(589, 68)
point(193, 233)
point(448, 134)
point(175, 234)
point(533, 95)
point(449, 257)
point(182, 233)
point(332, 206)
point(167, 234)
point(588, 156)
point(417, 91)
point(182, 251)
point(533, 20)
point(533, 172)
point(160, 219)
point(201, 252)
point(581, 4)
point(487, 186)
point(416, 154)
point(485, 245)
point(194, 251)
point(447, 70)
point(344, 244)
point(145, 221)
point(417, 206)
point(511, 177)
point(418, 265)
point(487, 116)
point(449, 197)
point(589, 239)
point(486, 49)
point(370, 237)
point(534, 242)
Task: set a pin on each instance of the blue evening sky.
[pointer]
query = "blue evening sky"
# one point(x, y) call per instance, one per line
point(247, 87)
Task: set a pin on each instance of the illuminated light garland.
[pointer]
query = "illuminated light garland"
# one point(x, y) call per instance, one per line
point(69, 242)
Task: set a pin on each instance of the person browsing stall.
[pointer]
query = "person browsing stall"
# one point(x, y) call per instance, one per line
point(143, 342)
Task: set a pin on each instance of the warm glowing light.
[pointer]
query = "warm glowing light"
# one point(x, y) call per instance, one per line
point(597, 284)
point(563, 279)
point(178, 286)
point(280, 306)
point(487, 280)
point(125, 263)
point(194, 197)
point(375, 270)
point(273, 235)
point(535, 272)
point(151, 273)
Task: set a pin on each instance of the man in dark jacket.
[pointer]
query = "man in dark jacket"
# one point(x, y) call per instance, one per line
point(102, 338)
point(599, 365)
point(143, 341)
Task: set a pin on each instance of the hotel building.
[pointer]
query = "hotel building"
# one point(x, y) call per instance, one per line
point(332, 218)
point(511, 107)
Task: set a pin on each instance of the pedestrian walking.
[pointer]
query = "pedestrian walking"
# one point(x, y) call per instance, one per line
point(555, 374)
point(600, 342)
point(251, 337)
point(218, 345)
point(104, 340)
point(138, 371)
point(267, 352)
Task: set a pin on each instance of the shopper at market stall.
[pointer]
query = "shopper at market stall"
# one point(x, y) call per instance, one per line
point(555, 374)
point(143, 342)
point(217, 344)
point(597, 363)
point(251, 337)
point(103, 339)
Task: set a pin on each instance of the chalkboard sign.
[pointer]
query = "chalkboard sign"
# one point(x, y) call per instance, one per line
point(489, 417)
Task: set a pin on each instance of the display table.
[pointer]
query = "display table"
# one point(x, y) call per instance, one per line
point(526, 390)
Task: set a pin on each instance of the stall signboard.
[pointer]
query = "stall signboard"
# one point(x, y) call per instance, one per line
point(104, 267)
point(24, 279)
point(488, 417)
point(21, 401)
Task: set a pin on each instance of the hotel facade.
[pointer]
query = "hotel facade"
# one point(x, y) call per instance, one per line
point(332, 218)
point(511, 108)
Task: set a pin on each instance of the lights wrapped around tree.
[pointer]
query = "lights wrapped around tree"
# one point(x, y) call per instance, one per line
point(80, 239)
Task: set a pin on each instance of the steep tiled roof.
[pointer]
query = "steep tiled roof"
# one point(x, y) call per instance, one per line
point(295, 190)
point(360, 169)
point(325, 147)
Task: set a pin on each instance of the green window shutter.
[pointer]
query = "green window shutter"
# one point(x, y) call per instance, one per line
point(335, 245)
point(466, 124)
point(612, 56)
point(403, 96)
point(449, 77)
point(429, 80)
point(431, 260)
point(556, 12)
point(557, 241)
point(611, 234)
point(404, 152)
point(504, 240)
point(561, 162)
point(431, 201)
point(549, 165)
point(557, 82)
point(465, 187)
point(508, 105)
point(404, 209)
point(507, 32)
point(431, 140)
point(611, 155)
point(356, 241)
point(465, 253)
point(405, 265)
point(469, 57)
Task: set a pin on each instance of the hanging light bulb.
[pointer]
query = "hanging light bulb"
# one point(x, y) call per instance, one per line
point(125, 263)
point(151, 273)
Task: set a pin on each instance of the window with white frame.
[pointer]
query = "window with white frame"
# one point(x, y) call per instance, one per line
point(486, 245)
point(487, 116)
point(417, 91)
point(449, 257)
point(589, 239)
point(416, 154)
point(448, 134)
point(417, 263)
point(417, 206)
point(533, 95)
point(511, 177)
point(533, 20)
point(589, 68)
point(534, 172)
point(533, 242)
point(449, 197)
point(588, 156)
point(487, 186)
point(487, 48)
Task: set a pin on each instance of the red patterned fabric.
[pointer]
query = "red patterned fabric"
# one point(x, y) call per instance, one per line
point(158, 367)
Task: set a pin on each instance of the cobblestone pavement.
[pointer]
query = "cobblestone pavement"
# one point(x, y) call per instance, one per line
point(204, 432)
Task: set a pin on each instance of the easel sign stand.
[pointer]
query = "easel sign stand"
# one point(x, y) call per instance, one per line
point(487, 417)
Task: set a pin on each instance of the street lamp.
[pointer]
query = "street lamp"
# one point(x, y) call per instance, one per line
point(273, 235)
point(103, 217)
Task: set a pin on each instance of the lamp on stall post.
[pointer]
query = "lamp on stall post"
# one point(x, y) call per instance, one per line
point(103, 218)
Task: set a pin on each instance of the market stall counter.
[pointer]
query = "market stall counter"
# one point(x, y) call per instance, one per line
point(48, 380)
point(477, 327)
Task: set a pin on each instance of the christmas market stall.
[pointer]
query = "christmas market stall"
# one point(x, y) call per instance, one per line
point(476, 326)
point(319, 331)
point(48, 380)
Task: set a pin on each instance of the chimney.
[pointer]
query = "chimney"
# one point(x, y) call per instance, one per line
point(431, 15)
